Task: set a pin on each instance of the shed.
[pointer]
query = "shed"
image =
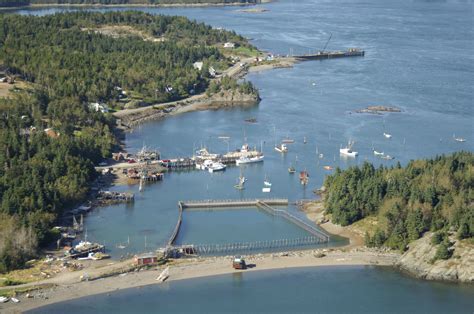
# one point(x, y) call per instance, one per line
point(146, 259)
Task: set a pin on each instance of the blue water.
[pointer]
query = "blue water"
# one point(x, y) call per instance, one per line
point(304, 290)
point(418, 57)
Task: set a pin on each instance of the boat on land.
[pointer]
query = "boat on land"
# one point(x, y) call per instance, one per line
point(15, 300)
point(164, 275)
point(4, 299)
point(376, 153)
point(239, 263)
point(387, 135)
point(459, 139)
point(347, 151)
point(282, 148)
point(249, 160)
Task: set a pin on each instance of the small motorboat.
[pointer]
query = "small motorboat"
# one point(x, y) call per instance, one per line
point(376, 153)
point(459, 139)
point(304, 177)
point(387, 157)
point(291, 169)
point(266, 190)
point(321, 156)
point(387, 135)
point(328, 168)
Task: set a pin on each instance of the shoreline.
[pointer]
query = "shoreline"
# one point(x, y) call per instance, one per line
point(197, 268)
point(134, 5)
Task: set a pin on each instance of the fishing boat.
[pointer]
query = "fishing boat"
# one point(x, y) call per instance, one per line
point(282, 148)
point(347, 151)
point(164, 275)
point(459, 139)
point(304, 177)
point(376, 153)
point(248, 160)
point(387, 135)
point(216, 166)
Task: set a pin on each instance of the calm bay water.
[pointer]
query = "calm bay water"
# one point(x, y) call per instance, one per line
point(418, 57)
point(304, 290)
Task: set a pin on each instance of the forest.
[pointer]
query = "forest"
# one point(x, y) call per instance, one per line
point(426, 195)
point(150, 57)
point(11, 3)
point(50, 138)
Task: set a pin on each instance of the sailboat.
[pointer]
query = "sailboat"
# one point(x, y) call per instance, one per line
point(266, 182)
point(140, 187)
point(122, 245)
point(241, 181)
point(304, 177)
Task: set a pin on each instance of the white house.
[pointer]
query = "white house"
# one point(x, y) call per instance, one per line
point(99, 107)
point(229, 45)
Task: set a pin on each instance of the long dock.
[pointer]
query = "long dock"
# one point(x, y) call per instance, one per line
point(320, 55)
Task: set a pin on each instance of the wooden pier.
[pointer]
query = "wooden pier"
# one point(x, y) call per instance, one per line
point(317, 236)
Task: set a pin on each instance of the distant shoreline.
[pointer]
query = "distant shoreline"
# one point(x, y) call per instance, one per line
point(137, 5)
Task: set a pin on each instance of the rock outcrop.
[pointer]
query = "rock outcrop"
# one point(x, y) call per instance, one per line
point(418, 261)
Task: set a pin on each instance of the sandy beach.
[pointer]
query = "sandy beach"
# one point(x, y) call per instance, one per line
point(70, 287)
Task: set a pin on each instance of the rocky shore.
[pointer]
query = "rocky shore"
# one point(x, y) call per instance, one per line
point(418, 261)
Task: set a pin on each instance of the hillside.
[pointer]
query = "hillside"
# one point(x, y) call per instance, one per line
point(13, 3)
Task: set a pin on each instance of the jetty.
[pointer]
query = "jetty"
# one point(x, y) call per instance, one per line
point(316, 236)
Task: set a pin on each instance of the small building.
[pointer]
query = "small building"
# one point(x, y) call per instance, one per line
point(145, 259)
point(229, 45)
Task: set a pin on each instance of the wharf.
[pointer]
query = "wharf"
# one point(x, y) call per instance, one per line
point(320, 55)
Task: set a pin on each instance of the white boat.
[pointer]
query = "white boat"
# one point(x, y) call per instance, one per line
point(248, 160)
point(216, 166)
point(282, 148)
point(164, 275)
point(4, 299)
point(321, 156)
point(387, 135)
point(459, 139)
point(376, 153)
point(267, 183)
point(15, 300)
point(387, 157)
point(347, 151)
point(266, 190)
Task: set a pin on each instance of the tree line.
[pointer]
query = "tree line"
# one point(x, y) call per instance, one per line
point(433, 194)
point(106, 2)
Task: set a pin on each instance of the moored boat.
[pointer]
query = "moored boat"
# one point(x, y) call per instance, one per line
point(347, 151)
point(282, 148)
point(249, 160)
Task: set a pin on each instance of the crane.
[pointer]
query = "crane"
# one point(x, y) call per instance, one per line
point(327, 43)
